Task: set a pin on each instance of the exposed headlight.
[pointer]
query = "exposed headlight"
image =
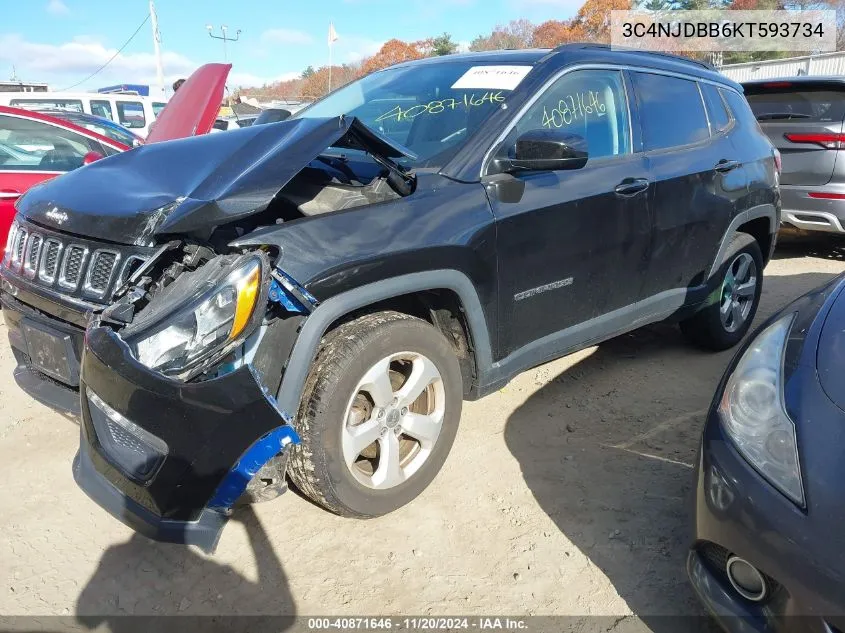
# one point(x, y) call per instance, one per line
point(205, 326)
point(753, 414)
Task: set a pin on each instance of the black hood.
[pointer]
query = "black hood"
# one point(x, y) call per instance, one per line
point(192, 184)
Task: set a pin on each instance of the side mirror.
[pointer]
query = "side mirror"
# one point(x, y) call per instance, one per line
point(547, 150)
point(91, 157)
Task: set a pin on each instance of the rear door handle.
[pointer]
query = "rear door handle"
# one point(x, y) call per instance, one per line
point(631, 186)
point(724, 165)
point(9, 194)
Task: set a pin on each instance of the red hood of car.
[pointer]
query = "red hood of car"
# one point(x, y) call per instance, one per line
point(193, 109)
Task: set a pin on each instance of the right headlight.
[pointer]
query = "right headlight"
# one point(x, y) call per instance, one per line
point(753, 413)
point(203, 327)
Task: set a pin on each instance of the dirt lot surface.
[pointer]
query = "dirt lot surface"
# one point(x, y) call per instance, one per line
point(566, 493)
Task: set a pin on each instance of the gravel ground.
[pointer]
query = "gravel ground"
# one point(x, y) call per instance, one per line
point(566, 494)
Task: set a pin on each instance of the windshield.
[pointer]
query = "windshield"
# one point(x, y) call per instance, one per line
point(430, 109)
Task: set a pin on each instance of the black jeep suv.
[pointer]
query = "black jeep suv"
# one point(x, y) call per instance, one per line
point(316, 297)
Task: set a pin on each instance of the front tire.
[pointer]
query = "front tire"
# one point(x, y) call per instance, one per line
point(379, 414)
point(725, 320)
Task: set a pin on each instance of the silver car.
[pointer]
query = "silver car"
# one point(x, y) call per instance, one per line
point(803, 117)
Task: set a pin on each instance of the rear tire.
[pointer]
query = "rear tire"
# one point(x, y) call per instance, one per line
point(379, 414)
point(732, 306)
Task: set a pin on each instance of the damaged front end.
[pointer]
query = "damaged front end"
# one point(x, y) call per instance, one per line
point(179, 423)
point(186, 344)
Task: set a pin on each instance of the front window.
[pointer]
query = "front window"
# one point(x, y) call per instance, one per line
point(157, 108)
point(431, 109)
point(587, 103)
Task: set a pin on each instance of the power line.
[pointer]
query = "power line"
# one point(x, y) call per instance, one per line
point(111, 59)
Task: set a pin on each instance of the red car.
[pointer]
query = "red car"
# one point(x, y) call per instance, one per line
point(35, 147)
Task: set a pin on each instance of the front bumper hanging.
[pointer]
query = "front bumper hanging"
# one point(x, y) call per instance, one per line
point(170, 458)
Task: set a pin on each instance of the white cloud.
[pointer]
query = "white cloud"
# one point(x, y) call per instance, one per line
point(67, 63)
point(285, 36)
point(353, 49)
point(62, 65)
point(463, 46)
point(57, 7)
point(248, 80)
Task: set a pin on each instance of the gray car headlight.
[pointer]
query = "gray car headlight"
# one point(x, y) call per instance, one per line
point(204, 326)
point(753, 414)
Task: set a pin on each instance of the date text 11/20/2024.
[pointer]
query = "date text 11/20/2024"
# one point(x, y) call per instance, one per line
point(418, 624)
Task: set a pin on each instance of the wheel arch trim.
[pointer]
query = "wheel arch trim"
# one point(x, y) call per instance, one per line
point(319, 321)
point(760, 211)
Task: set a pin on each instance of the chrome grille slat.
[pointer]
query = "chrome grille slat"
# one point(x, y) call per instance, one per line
point(74, 259)
point(17, 257)
point(76, 267)
point(50, 260)
point(100, 272)
point(33, 252)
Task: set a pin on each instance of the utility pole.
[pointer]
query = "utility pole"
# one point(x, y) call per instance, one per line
point(157, 47)
point(225, 37)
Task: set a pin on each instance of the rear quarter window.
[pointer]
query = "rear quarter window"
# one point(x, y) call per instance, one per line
point(740, 109)
point(720, 120)
point(784, 101)
point(671, 111)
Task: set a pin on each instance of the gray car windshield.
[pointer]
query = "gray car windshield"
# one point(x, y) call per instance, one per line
point(430, 109)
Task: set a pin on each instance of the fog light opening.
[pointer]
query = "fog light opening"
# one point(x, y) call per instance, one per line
point(746, 579)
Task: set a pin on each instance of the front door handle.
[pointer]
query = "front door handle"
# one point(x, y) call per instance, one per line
point(724, 165)
point(631, 186)
point(9, 194)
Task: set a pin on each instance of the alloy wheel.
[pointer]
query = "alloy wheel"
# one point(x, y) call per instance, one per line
point(393, 420)
point(739, 289)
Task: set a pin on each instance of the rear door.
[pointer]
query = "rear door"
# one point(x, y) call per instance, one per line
point(804, 120)
point(697, 178)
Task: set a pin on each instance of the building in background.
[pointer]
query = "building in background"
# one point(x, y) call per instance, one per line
point(23, 86)
point(822, 64)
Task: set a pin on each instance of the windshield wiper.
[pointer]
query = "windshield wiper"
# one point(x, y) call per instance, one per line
point(782, 115)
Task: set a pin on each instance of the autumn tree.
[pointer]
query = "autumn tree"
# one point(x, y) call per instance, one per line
point(514, 34)
point(393, 52)
point(552, 33)
point(592, 22)
point(443, 45)
point(316, 84)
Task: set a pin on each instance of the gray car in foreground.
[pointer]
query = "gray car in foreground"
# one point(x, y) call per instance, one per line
point(803, 117)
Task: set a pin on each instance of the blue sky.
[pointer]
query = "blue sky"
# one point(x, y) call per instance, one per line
point(63, 41)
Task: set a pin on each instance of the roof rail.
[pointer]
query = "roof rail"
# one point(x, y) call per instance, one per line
point(607, 47)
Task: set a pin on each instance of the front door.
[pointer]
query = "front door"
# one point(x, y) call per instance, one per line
point(574, 244)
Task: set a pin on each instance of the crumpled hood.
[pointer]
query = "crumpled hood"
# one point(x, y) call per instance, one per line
point(193, 184)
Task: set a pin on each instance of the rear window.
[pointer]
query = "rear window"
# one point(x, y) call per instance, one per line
point(73, 105)
point(785, 101)
point(102, 108)
point(130, 114)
